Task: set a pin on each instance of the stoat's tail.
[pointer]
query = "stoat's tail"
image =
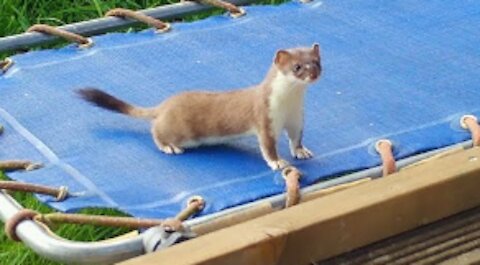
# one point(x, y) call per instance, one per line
point(107, 101)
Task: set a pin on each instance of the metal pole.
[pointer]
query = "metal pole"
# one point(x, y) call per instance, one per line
point(102, 25)
point(58, 249)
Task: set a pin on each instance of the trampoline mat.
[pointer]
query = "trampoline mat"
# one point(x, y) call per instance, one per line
point(402, 70)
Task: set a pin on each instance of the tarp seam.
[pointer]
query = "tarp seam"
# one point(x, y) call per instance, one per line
point(53, 158)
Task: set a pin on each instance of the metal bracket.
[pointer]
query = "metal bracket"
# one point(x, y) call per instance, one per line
point(157, 238)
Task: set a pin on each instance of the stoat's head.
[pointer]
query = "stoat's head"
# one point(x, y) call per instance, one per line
point(301, 63)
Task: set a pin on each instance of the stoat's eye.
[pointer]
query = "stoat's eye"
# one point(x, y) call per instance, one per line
point(297, 67)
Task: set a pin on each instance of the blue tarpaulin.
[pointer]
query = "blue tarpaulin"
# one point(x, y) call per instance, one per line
point(402, 70)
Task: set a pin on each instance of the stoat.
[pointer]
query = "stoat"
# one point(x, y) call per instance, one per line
point(194, 118)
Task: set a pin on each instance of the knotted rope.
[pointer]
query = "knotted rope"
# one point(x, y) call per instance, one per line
point(174, 224)
point(11, 165)
point(60, 193)
point(384, 148)
point(127, 13)
point(234, 10)
point(4, 65)
point(12, 222)
point(470, 122)
point(73, 37)
point(292, 177)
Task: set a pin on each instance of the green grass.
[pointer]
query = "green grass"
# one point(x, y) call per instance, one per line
point(16, 16)
point(16, 253)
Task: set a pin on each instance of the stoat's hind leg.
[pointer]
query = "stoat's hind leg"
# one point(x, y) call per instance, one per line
point(167, 148)
point(177, 150)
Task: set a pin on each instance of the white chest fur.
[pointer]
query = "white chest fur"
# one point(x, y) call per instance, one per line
point(285, 102)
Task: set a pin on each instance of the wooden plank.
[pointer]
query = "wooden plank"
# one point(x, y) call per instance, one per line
point(471, 257)
point(444, 241)
point(342, 221)
point(266, 208)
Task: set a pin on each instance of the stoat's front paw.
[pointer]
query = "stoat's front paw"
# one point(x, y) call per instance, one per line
point(302, 153)
point(277, 164)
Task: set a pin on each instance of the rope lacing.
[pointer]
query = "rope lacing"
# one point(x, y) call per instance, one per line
point(234, 10)
point(83, 42)
point(60, 193)
point(470, 122)
point(5, 64)
point(11, 165)
point(385, 148)
point(127, 13)
point(292, 177)
point(194, 205)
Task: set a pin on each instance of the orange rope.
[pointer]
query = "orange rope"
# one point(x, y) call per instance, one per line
point(234, 10)
point(384, 148)
point(194, 205)
point(470, 122)
point(292, 176)
point(4, 65)
point(127, 13)
point(10, 165)
point(73, 37)
point(12, 222)
point(127, 222)
point(59, 193)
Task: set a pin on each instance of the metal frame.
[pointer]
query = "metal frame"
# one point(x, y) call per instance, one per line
point(58, 249)
point(55, 248)
point(316, 230)
point(102, 25)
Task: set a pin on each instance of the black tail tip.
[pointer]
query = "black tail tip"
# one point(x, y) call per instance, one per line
point(102, 99)
point(89, 94)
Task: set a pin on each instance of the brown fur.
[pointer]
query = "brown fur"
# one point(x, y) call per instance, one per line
point(188, 117)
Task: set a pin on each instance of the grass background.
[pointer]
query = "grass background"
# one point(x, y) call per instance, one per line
point(14, 253)
point(16, 16)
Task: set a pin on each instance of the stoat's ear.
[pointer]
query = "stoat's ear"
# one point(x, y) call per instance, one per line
point(282, 57)
point(316, 48)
